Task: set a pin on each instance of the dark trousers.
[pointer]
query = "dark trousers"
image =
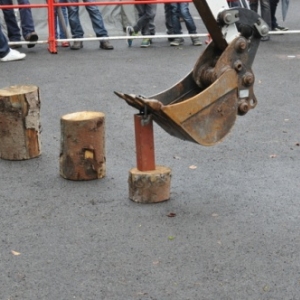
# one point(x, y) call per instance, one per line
point(27, 24)
point(273, 4)
point(265, 10)
point(4, 49)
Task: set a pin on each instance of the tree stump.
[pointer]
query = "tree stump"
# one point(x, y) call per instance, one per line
point(19, 122)
point(82, 150)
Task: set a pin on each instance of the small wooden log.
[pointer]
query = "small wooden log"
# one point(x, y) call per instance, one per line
point(19, 122)
point(82, 151)
point(149, 186)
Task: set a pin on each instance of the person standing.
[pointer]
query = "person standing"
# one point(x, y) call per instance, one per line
point(97, 23)
point(265, 13)
point(145, 24)
point(6, 53)
point(27, 24)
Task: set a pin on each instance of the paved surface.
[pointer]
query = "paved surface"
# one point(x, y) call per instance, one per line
point(236, 230)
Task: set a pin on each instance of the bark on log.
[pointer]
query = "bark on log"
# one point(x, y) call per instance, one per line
point(19, 122)
point(82, 150)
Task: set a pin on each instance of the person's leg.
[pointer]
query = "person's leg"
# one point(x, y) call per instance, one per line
point(63, 24)
point(56, 21)
point(253, 5)
point(149, 29)
point(7, 54)
point(65, 13)
point(275, 26)
point(175, 14)
point(146, 13)
point(168, 18)
point(13, 30)
point(266, 12)
point(74, 21)
point(189, 22)
point(186, 15)
point(27, 23)
point(4, 49)
point(98, 25)
point(141, 12)
point(152, 23)
point(233, 3)
point(96, 19)
point(75, 25)
point(145, 30)
point(273, 7)
point(175, 18)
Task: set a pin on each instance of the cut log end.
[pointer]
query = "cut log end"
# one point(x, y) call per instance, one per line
point(83, 116)
point(16, 90)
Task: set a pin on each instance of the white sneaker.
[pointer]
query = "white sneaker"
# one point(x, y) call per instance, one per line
point(13, 55)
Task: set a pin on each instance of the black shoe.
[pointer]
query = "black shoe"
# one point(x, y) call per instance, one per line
point(15, 46)
point(77, 45)
point(265, 38)
point(106, 45)
point(31, 37)
point(280, 28)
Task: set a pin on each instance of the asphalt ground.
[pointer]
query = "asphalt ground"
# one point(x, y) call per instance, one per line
point(236, 230)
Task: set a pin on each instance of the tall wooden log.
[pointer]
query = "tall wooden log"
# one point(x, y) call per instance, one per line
point(20, 122)
point(82, 150)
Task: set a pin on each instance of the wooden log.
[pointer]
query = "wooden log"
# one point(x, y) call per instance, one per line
point(20, 122)
point(82, 150)
point(149, 186)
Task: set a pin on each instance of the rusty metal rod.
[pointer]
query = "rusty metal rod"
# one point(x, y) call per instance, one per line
point(144, 142)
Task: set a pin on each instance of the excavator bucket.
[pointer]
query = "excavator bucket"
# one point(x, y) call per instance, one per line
point(198, 118)
point(203, 106)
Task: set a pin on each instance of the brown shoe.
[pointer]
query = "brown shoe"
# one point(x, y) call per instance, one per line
point(106, 45)
point(31, 37)
point(77, 45)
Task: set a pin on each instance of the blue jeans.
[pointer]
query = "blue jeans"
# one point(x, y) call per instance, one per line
point(95, 16)
point(182, 10)
point(4, 49)
point(27, 24)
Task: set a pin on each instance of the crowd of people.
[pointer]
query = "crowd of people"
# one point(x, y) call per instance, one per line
point(68, 16)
